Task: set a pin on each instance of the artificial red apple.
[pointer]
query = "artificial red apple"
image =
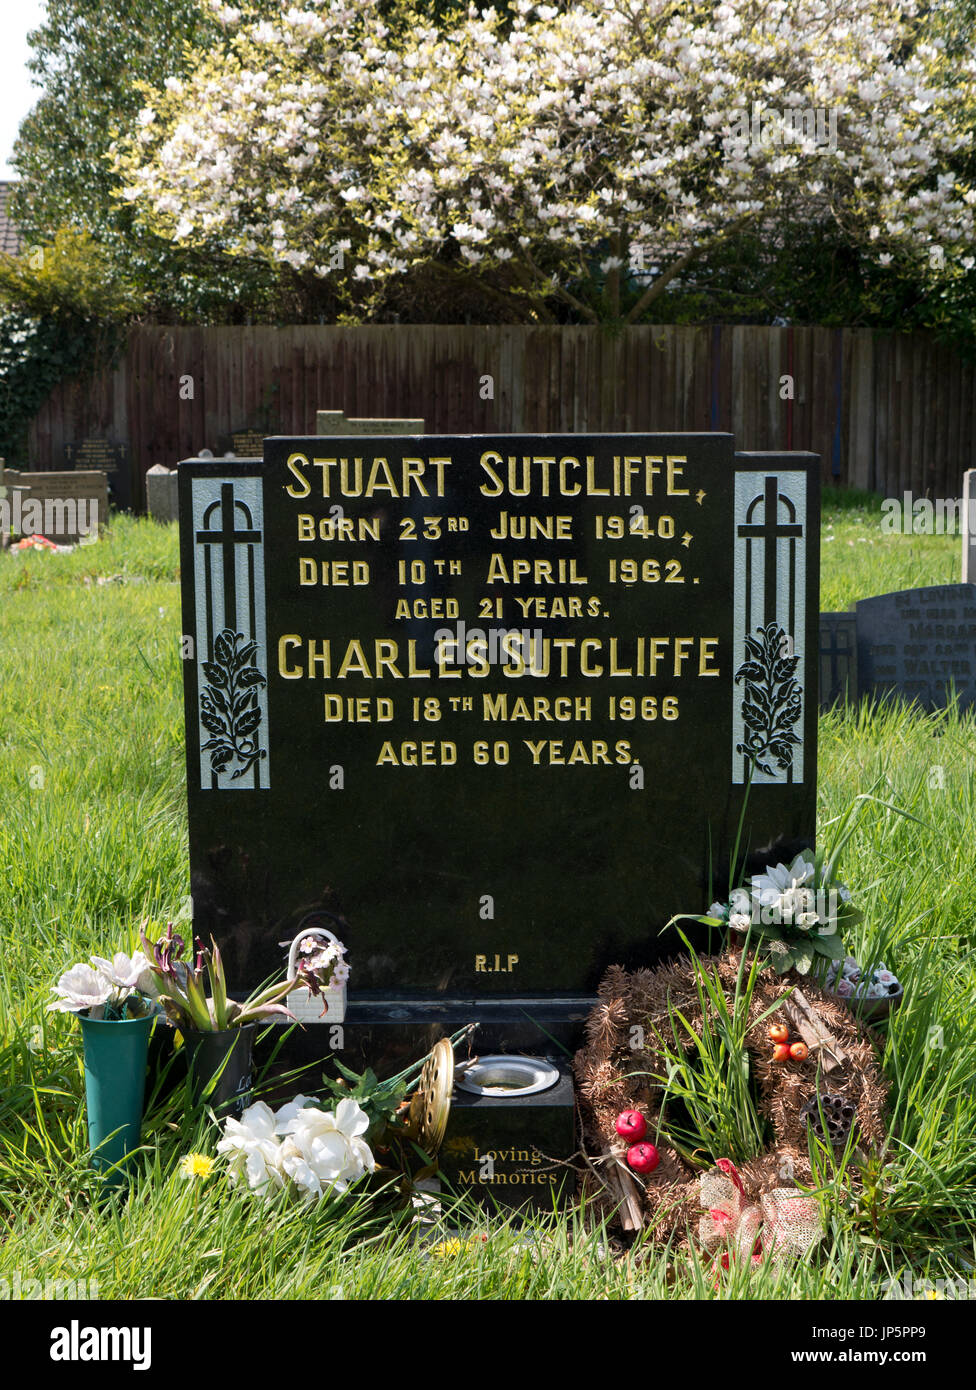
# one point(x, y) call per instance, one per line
point(643, 1158)
point(631, 1125)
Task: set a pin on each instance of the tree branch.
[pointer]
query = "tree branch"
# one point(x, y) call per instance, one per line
point(570, 298)
point(662, 281)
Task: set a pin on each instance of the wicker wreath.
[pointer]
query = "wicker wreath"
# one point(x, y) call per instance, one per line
point(612, 1075)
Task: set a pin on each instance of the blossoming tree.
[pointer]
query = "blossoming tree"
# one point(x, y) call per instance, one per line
point(587, 153)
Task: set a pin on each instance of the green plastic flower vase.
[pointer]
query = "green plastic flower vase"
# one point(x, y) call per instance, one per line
point(115, 1086)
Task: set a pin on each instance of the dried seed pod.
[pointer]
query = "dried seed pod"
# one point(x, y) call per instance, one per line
point(839, 1117)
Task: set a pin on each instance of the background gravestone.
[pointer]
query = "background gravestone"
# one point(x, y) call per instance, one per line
point(918, 644)
point(334, 422)
point(501, 819)
point(838, 658)
point(243, 443)
point(99, 454)
point(70, 505)
point(162, 493)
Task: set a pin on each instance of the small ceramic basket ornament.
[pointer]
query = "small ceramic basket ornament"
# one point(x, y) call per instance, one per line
point(329, 1005)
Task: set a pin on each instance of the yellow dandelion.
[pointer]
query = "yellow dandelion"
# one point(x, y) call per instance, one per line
point(445, 1248)
point(197, 1165)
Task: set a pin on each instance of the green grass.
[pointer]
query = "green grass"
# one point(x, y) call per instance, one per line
point(93, 837)
point(858, 559)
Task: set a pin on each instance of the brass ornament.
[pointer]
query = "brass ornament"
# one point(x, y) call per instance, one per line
point(430, 1104)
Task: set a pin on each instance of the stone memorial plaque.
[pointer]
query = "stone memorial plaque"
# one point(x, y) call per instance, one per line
point(838, 658)
point(919, 644)
point(497, 699)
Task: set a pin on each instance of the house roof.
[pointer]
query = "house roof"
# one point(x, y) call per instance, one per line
point(9, 238)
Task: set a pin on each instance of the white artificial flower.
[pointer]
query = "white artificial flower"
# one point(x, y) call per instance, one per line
point(324, 1150)
point(254, 1149)
point(740, 900)
point(739, 921)
point(81, 988)
point(285, 1115)
point(779, 878)
point(717, 910)
point(790, 904)
point(125, 972)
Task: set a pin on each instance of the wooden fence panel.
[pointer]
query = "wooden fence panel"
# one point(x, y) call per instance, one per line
point(885, 411)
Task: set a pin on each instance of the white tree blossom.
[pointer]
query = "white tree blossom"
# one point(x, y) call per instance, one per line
point(562, 151)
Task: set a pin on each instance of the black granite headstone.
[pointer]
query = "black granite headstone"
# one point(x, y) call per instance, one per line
point(919, 644)
point(109, 458)
point(95, 453)
point(497, 699)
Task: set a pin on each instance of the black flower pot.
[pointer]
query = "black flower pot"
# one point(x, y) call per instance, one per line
point(219, 1068)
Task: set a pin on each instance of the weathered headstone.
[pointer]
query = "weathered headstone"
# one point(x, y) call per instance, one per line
point(498, 699)
point(919, 644)
point(838, 658)
point(334, 422)
point(162, 493)
point(64, 507)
